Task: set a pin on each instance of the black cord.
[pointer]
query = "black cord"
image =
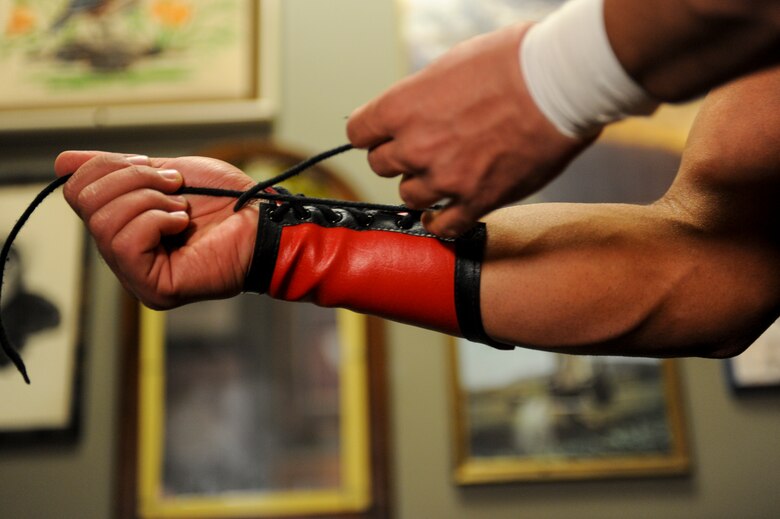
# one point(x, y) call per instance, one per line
point(256, 191)
point(5, 342)
point(306, 164)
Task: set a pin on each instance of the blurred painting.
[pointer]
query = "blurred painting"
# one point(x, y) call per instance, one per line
point(532, 415)
point(431, 27)
point(120, 53)
point(41, 305)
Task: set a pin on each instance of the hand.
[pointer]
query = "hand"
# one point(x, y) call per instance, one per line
point(166, 249)
point(463, 129)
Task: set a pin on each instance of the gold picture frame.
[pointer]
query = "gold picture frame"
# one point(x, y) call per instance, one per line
point(251, 407)
point(152, 62)
point(564, 417)
point(353, 494)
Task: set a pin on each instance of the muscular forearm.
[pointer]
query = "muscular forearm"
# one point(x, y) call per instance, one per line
point(678, 49)
point(625, 280)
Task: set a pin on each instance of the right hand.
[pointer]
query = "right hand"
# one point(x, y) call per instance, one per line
point(464, 129)
point(166, 249)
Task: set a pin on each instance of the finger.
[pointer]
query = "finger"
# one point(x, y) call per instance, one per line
point(114, 185)
point(108, 220)
point(417, 193)
point(374, 123)
point(385, 160)
point(100, 165)
point(450, 222)
point(135, 250)
point(68, 162)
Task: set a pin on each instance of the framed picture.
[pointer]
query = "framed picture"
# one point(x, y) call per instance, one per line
point(42, 307)
point(251, 407)
point(431, 27)
point(97, 64)
point(758, 367)
point(529, 415)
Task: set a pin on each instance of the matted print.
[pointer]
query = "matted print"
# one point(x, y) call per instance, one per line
point(130, 62)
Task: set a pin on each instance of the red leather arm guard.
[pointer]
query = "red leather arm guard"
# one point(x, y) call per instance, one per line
point(373, 262)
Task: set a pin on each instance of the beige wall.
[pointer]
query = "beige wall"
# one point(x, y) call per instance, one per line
point(335, 55)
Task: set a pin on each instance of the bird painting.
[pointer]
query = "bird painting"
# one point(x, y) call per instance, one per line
point(90, 7)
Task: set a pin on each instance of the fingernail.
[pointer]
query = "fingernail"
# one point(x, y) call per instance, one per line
point(179, 199)
point(180, 214)
point(140, 160)
point(170, 174)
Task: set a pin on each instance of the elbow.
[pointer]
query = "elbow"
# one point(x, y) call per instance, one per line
point(731, 344)
point(723, 349)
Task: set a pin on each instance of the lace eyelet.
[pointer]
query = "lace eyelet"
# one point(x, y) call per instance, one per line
point(275, 216)
point(303, 215)
point(403, 223)
point(336, 218)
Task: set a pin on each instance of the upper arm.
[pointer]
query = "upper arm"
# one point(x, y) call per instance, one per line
point(729, 177)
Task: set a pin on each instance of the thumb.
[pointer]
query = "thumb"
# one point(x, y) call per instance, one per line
point(450, 222)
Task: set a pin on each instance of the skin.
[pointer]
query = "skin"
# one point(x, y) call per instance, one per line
point(693, 274)
point(465, 129)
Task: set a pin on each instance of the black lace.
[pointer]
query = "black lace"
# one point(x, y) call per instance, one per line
point(360, 211)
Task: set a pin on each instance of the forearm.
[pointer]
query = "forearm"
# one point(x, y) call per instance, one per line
point(624, 280)
point(679, 49)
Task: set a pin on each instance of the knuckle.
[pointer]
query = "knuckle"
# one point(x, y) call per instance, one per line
point(120, 247)
point(85, 200)
point(99, 224)
point(376, 159)
point(70, 193)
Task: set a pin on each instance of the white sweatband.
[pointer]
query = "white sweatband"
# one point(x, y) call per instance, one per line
point(572, 72)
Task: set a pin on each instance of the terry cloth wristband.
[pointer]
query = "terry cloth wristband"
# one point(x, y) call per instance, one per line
point(573, 75)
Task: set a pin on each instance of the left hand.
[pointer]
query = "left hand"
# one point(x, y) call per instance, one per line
point(166, 249)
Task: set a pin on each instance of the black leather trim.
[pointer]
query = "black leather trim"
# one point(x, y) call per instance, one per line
point(469, 251)
point(269, 233)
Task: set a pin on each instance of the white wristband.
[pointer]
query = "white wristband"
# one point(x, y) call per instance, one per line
point(573, 74)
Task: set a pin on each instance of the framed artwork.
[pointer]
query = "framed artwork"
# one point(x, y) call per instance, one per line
point(758, 367)
point(251, 407)
point(536, 416)
point(43, 299)
point(431, 27)
point(141, 62)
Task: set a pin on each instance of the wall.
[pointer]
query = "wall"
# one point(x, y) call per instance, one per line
point(335, 55)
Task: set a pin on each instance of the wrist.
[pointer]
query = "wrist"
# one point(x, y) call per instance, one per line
point(573, 75)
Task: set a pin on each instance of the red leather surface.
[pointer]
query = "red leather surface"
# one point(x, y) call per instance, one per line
point(398, 276)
